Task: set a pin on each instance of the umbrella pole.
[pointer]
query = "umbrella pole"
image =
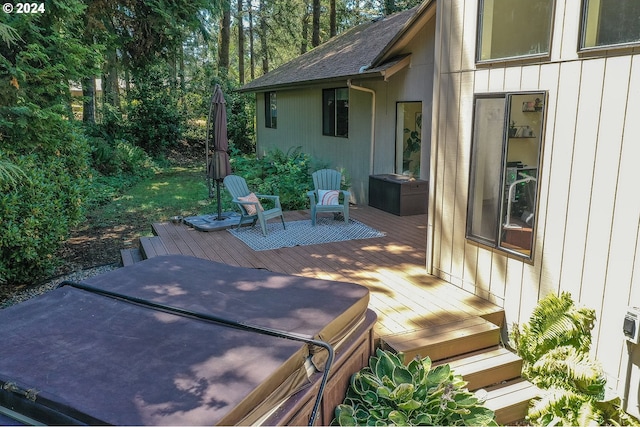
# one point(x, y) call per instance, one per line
point(220, 217)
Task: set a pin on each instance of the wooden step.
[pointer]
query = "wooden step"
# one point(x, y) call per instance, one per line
point(486, 367)
point(510, 401)
point(152, 247)
point(441, 342)
point(130, 256)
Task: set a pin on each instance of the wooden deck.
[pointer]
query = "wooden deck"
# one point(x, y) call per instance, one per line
point(403, 295)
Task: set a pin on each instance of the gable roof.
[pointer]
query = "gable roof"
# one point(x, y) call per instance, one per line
point(362, 51)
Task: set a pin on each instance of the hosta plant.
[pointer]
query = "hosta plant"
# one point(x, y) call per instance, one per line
point(389, 393)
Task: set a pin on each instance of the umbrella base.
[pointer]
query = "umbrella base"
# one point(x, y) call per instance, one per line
point(213, 222)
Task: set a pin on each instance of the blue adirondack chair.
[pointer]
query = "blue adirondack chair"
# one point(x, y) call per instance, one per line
point(325, 196)
point(250, 207)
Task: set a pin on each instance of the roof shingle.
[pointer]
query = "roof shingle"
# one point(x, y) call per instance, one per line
point(347, 54)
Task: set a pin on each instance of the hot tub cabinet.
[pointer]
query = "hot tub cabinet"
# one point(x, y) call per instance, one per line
point(174, 340)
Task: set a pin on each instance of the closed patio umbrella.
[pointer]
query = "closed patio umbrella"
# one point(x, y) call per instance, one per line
point(218, 165)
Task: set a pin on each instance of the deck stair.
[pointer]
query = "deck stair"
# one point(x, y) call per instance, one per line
point(149, 247)
point(472, 348)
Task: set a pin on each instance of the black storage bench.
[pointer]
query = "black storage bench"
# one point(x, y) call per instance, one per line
point(398, 194)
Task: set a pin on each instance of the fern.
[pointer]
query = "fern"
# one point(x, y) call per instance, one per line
point(568, 368)
point(563, 407)
point(555, 322)
point(554, 346)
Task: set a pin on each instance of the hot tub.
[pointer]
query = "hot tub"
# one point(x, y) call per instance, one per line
point(140, 346)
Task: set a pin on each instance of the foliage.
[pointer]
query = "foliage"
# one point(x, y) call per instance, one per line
point(389, 393)
point(11, 173)
point(555, 346)
point(555, 322)
point(38, 214)
point(154, 121)
point(285, 174)
point(48, 55)
point(36, 135)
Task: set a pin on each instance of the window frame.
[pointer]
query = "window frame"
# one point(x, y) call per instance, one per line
point(511, 58)
point(270, 114)
point(496, 241)
point(583, 34)
point(334, 121)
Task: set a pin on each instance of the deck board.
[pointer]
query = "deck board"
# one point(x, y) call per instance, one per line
point(403, 295)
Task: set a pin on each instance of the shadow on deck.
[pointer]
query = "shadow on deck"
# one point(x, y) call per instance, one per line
point(418, 314)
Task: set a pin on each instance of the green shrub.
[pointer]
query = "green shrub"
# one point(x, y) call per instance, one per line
point(46, 201)
point(554, 347)
point(285, 174)
point(389, 393)
point(154, 120)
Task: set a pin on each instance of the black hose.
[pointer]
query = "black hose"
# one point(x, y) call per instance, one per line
point(225, 322)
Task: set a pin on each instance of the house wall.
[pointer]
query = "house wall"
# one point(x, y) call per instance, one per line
point(300, 125)
point(586, 239)
point(300, 119)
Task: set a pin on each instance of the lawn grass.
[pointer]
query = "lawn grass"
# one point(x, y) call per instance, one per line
point(174, 191)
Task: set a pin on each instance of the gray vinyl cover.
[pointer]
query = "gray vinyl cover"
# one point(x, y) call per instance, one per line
point(88, 358)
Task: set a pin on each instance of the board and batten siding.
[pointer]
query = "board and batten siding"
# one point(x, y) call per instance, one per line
point(300, 118)
point(300, 125)
point(588, 216)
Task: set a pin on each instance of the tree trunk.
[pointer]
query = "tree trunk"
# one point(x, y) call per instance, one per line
point(110, 86)
point(225, 40)
point(263, 39)
point(304, 45)
point(252, 53)
point(88, 100)
point(332, 18)
point(240, 20)
point(315, 34)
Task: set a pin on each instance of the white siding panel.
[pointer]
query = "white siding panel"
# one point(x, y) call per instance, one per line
point(616, 81)
point(562, 145)
point(498, 279)
point(512, 79)
point(547, 79)
point(444, 9)
point(465, 114)
point(469, 30)
point(530, 78)
point(449, 167)
point(455, 35)
point(483, 279)
point(586, 129)
point(513, 290)
point(445, 82)
point(624, 235)
point(567, 30)
point(470, 267)
point(481, 81)
point(496, 79)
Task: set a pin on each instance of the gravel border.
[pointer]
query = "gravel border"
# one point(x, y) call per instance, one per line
point(76, 276)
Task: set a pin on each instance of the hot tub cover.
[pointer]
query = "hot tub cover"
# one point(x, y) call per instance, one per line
point(72, 356)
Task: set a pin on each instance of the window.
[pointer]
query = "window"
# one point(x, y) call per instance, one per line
point(408, 138)
point(514, 28)
point(335, 112)
point(270, 110)
point(610, 22)
point(505, 160)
